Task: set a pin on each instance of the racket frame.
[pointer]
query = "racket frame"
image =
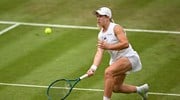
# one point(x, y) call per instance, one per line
point(75, 81)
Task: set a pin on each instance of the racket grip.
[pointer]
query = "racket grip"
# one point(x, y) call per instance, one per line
point(84, 76)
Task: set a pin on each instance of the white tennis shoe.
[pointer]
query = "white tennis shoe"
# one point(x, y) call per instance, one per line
point(144, 91)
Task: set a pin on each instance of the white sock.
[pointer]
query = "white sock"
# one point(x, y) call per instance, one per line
point(138, 88)
point(106, 98)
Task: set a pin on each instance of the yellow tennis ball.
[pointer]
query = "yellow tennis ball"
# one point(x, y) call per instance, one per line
point(48, 30)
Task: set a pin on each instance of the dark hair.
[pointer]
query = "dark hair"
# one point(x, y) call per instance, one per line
point(111, 20)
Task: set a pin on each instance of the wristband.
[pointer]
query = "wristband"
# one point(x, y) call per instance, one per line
point(93, 67)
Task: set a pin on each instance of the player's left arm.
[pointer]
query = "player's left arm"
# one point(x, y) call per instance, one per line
point(123, 40)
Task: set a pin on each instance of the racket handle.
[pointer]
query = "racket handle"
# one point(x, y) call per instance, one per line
point(84, 76)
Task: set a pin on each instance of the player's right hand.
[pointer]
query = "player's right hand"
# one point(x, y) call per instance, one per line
point(90, 73)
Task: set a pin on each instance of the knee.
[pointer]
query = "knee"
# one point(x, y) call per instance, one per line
point(117, 89)
point(108, 73)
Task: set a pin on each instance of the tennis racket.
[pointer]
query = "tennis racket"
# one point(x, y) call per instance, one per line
point(60, 89)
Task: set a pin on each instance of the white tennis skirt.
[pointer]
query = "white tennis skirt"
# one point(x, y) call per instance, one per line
point(134, 60)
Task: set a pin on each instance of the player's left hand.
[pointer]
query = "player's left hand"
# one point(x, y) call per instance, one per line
point(103, 45)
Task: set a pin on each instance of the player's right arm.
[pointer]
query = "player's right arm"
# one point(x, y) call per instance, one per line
point(98, 56)
point(96, 62)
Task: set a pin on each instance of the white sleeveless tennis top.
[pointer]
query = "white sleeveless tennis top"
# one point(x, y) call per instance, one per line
point(109, 37)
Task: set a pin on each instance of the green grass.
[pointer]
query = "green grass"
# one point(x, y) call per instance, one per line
point(28, 56)
point(147, 14)
point(31, 57)
point(3, 26)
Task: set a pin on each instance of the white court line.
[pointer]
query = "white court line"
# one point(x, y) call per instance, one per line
point(85, 27)
point(49, 25)
point(9, 28)
point(81, 89)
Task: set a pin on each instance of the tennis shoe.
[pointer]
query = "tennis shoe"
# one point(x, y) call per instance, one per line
point(144, 91)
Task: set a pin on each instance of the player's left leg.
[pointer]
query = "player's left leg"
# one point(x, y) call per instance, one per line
point(120, 87)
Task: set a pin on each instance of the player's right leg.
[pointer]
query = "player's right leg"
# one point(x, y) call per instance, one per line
point(118, 68)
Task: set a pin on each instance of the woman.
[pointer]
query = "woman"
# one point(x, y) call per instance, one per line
point(123, 61)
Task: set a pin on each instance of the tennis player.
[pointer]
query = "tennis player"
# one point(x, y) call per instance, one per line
point(123, 59)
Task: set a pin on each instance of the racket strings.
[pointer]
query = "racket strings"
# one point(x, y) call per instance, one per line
point(59, 90)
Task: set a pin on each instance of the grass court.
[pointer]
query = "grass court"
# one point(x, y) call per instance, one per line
point(30, 60)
